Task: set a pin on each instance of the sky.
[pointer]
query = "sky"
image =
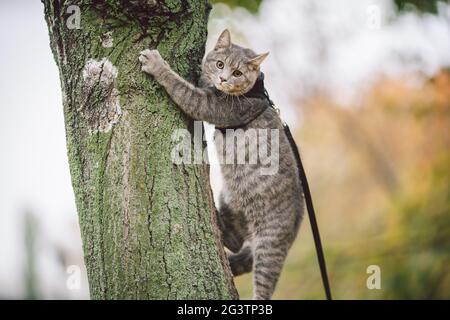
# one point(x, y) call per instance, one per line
point(338, 46)
point(33, 167)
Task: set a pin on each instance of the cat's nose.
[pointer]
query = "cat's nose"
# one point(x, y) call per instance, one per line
point(222, 79)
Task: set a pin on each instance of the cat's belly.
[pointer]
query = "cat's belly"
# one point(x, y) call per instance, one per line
point(267, 188)
point(257, 196)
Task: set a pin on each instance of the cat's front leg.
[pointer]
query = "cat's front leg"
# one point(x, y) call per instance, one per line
point(200, 103)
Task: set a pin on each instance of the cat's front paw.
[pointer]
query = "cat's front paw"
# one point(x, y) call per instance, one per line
point(152, 62)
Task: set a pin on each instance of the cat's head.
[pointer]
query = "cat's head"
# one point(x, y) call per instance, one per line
point(231, 68)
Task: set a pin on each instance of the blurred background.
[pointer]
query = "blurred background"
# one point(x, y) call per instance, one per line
point(365, 87)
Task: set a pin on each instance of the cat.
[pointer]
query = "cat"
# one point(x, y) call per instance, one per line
point(259, 214)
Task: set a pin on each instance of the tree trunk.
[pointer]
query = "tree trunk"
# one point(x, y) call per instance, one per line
point(148, 226)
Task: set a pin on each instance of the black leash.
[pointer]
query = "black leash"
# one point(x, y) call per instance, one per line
point(311, 214)
point(309, 206)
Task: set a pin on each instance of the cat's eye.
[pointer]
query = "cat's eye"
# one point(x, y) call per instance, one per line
point(219, 64)
point(237, 73)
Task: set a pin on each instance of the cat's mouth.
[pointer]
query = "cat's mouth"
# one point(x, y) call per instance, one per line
point(229, 89)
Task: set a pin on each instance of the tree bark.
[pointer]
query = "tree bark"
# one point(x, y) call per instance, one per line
point(148, 226)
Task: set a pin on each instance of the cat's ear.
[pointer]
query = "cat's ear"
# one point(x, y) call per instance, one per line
point(256, 61)
point(224, 40)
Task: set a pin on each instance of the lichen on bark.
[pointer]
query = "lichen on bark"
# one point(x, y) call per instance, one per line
point(100, 105)
point(148, 226)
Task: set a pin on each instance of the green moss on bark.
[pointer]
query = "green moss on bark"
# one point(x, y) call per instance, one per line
point(147, 225)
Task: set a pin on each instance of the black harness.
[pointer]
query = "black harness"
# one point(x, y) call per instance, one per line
point(259, 91)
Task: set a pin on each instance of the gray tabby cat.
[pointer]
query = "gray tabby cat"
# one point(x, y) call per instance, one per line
point(259, 215)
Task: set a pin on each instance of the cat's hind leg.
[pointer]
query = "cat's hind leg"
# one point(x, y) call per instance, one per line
point(231, 226)
point(242, 261)
point(269, 253)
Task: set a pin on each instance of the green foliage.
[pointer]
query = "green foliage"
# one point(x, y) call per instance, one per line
point(419, 242)
point(30, 231)
point(402, 5)
point(250, 5)
point(419, 5)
